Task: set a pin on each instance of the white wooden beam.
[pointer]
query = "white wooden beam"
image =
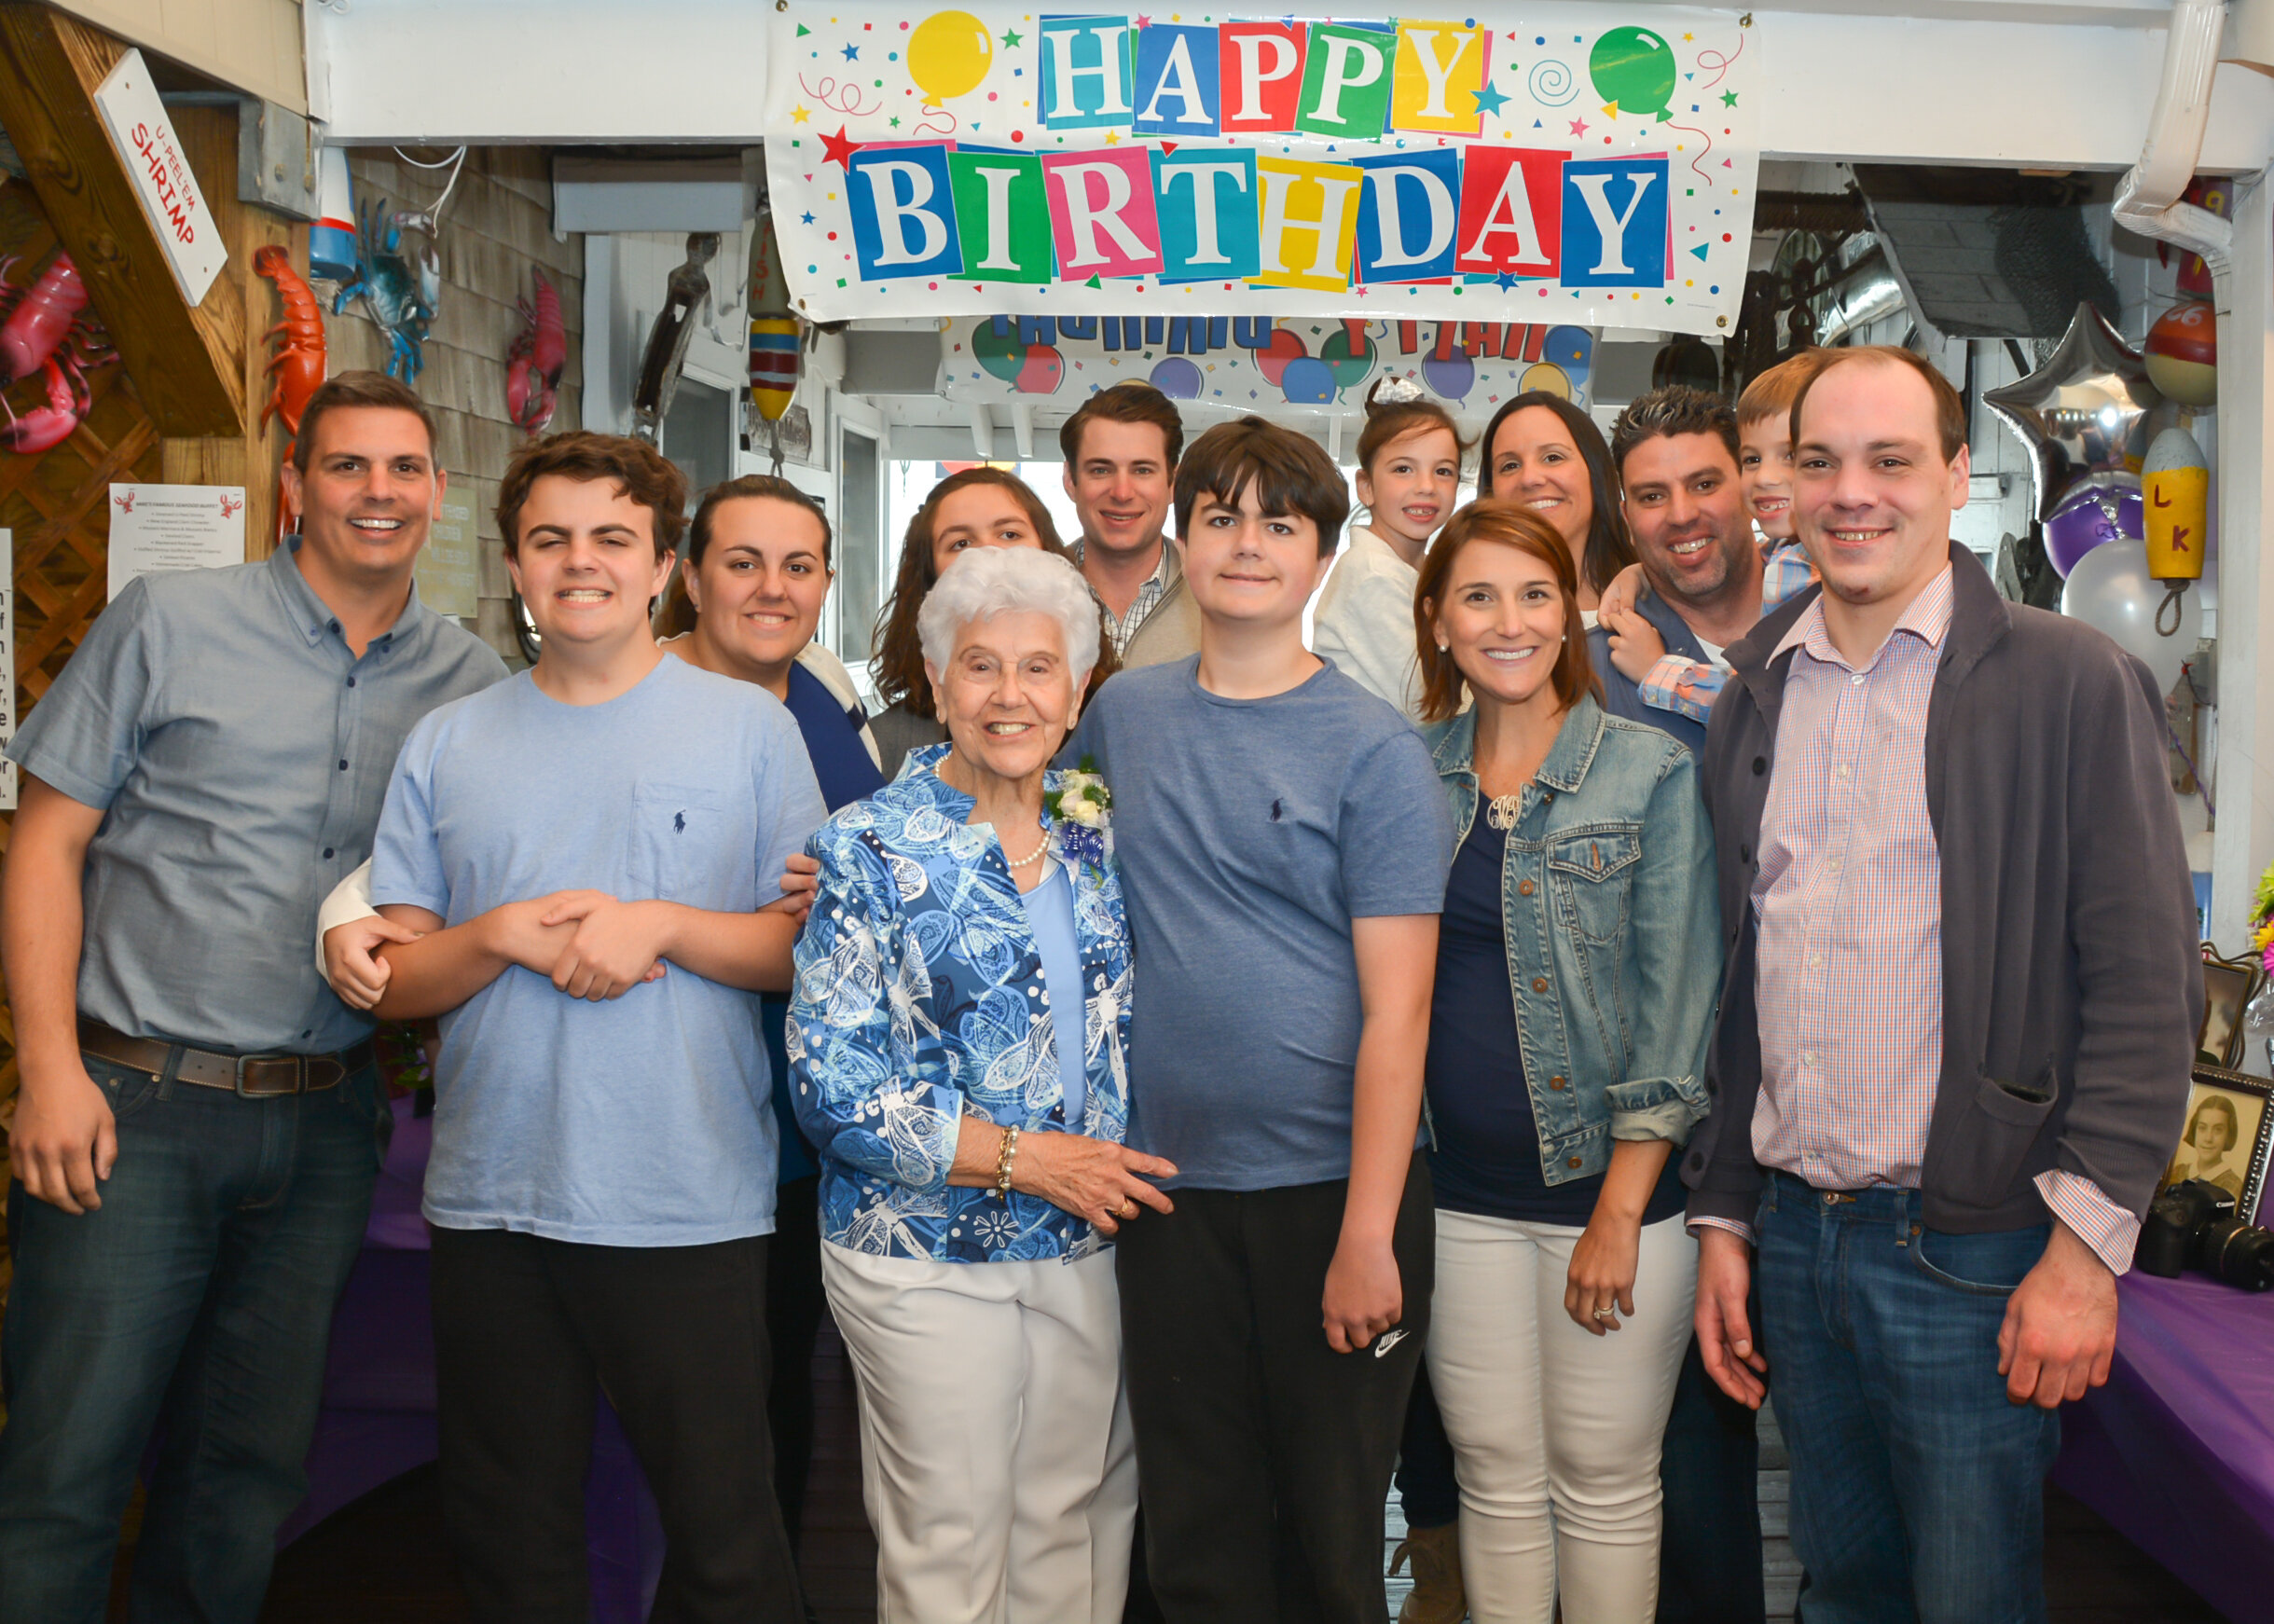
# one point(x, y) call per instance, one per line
point(2062, 85)
point(2242, 845)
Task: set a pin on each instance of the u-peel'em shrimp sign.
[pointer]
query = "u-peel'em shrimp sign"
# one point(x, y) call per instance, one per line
point(1543, 164)
point(170, 198)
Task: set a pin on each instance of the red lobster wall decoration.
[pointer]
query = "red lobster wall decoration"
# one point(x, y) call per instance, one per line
point(534, 365)
point(48, 330)
point(298, 368)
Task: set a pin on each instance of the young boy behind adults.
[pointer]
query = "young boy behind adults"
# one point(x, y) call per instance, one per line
point(587, 847)
point(1957, 1019)
point(195, 1138)
point(1283, 845)
point(1121, 447)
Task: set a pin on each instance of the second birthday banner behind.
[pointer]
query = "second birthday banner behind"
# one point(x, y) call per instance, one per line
point(1542, 164)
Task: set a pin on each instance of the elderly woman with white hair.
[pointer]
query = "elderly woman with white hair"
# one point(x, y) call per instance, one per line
point(957, 1047)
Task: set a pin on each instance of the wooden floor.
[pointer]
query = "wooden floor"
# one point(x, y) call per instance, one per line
point(383, 1560)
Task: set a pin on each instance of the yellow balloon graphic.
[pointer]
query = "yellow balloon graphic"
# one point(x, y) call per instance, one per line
point(948, 54)
point(1548, 376)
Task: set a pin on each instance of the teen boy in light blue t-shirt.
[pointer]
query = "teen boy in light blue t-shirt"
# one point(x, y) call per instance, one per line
point(587, 849)
point(1283, 843)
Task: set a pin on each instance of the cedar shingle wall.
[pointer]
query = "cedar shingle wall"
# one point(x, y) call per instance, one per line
point(498, 224)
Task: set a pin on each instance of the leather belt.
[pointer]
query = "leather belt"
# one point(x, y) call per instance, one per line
point(248, 1076)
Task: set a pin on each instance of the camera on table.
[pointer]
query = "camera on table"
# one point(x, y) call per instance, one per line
point(2194, 1226)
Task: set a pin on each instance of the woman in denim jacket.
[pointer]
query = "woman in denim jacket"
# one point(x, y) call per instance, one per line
point(1577, 966)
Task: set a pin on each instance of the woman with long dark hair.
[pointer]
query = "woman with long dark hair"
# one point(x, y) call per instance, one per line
point(1542, 451)
point(974, 507)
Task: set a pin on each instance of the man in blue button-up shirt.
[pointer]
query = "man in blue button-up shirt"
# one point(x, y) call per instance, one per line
point(199, 1122)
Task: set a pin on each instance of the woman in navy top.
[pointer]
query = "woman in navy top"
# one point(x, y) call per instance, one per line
point(1578, 965)
point(756, 575)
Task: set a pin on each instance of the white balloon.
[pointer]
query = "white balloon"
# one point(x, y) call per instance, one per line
point(2111, 589)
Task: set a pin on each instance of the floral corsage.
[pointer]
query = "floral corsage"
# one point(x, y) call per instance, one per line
point(1079, 811)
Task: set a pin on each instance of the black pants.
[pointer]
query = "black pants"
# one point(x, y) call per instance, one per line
point(1710, 1556)
point(1428, 1490)
point(795, 1304)
point(528, 1332)
point(1264, 1456)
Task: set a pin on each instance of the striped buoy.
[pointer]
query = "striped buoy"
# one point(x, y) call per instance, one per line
point(331, 254)
point(774, 356)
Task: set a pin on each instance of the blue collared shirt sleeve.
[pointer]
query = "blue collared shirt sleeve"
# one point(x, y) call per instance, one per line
point(84, 734)
point(860, 1093)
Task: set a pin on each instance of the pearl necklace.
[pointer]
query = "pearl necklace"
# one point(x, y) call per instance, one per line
point(1031, 857)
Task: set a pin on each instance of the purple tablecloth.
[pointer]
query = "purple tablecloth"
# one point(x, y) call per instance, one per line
point(2178, 1449)
point(378, 1420)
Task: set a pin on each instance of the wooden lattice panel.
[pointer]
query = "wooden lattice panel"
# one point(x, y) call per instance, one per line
point(58, 505)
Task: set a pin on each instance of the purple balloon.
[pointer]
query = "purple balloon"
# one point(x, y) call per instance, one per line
point(1177, 378)
point(1452, 377)
point(2100, 508)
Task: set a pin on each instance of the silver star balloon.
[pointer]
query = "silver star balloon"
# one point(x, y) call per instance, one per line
point(2083, 411)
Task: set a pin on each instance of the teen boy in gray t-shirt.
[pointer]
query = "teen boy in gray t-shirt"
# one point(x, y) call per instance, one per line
point(1283, 843)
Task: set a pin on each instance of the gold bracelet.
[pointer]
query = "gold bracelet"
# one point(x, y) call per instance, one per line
point(1003, 1159)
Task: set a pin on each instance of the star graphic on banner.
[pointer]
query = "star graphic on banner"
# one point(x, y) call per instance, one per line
point(1728, 98)
point(1578, 127)
point(1012, 39)
point(800, 115)
point(1688, 36)
point(852, 53)
point(806, 219)
point(895, 122)
point(1506, 281)
point(836, 149)
point(1490, 100)
point(1113, 138)
point(1144, 23)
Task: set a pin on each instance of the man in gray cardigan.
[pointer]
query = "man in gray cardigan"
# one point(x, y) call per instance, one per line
point(1959, 1002)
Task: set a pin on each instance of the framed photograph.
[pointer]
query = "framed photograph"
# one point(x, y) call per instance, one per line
point(2228, 987)
point(2226, 1136)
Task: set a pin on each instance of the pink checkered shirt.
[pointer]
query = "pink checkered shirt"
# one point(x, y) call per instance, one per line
point(1848, 902)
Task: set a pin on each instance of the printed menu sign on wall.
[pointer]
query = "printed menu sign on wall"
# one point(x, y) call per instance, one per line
point(448, 583)
point(174, 527)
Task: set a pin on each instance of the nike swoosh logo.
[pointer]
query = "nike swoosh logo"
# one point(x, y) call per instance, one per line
point(1387, 1341)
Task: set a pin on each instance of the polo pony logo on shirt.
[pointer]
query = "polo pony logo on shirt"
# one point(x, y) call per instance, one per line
point(679, 824)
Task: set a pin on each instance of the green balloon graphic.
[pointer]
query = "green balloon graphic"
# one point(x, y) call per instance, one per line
point(1348, 366)
point(1634, 69)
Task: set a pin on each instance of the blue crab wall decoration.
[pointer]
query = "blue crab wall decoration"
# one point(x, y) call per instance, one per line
point(398, 276)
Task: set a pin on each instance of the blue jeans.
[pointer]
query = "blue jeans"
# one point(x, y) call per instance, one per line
point(202, 1288)
point(1916, 1487)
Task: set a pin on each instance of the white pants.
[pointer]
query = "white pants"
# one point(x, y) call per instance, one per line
point(996, 1458)
point(1555, 1433)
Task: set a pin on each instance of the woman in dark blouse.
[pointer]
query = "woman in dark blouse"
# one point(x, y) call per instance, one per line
point(1577, 966)
point(757, 574)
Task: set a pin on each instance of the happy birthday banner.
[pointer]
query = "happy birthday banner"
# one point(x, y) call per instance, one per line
point(1254, 362)
point(1531, 161)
